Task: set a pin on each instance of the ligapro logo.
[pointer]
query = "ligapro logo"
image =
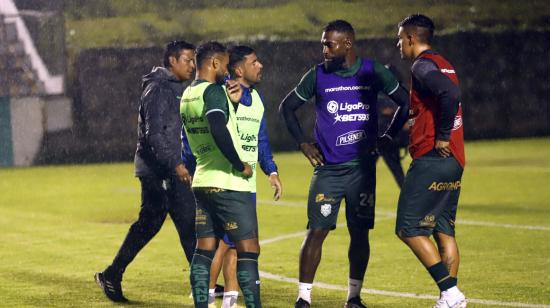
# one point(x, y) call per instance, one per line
point(332, 106)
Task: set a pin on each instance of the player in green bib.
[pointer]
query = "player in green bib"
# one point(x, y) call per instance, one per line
point(222, 180)
point(246, 68)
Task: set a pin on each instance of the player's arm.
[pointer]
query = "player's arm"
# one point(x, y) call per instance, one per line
point(448, 96)
point(399, 95)
point(217, 115)
point(265, 158)
point(294, 100)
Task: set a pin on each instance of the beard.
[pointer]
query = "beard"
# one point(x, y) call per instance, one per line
point(335, 64)
point(220, 78)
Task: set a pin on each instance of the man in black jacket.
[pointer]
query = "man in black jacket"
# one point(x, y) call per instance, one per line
point(165, 181)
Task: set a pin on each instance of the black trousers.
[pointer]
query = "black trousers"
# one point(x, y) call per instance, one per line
point(158, 199)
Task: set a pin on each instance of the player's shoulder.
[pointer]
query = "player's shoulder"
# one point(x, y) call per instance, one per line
point(422, 66)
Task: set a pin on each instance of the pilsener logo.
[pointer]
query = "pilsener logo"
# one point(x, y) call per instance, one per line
point(350, 137)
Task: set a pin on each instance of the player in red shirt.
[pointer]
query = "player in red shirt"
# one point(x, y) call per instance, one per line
point(429, 197)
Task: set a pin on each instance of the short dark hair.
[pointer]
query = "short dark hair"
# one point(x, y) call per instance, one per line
point(339, 25)
point(420, 21)
point(173, 49)
point(237, 54)
point(207, 50)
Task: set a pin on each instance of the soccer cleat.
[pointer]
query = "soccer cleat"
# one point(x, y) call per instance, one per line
point(301, 303)
point(354, 302)
point(111, 287)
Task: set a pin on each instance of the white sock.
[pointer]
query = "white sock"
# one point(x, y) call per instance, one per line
point(211, 296)
point(229, 298)
point(452, 292)
point(354, 288)
point(304, 290)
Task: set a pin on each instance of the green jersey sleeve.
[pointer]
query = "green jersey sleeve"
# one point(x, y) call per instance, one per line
point(215, 100)
point(385, 80)
point(306, 88)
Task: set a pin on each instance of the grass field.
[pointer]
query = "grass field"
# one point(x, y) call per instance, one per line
point(60, 224)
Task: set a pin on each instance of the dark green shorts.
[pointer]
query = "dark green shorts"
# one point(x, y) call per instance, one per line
point(429, 197)
point(225, 211)
point(332, 183)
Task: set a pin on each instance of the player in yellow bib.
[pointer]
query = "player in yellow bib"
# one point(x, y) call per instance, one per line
point(221, 183)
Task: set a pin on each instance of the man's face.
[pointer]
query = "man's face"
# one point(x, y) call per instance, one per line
point(251, 69)
point(221, 61)
point(404, 44)
point(334, 50)
point(184, 65)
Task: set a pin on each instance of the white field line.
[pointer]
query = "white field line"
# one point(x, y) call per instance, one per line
point(460, 221)
point(322, 285)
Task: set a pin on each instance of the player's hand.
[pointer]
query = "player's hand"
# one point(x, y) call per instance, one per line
point(247, 172)
point(442, 147)
point(312, 153)
point(383, 143)
point(234, 90)
point(275, 183)
point(183, 174)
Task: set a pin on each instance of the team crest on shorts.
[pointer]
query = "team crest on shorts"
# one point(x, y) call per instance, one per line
point(326, 209)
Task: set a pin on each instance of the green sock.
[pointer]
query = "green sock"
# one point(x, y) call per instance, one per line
point(249, 278)
point(200, 276)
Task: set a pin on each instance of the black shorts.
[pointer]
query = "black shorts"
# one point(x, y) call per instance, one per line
point(228, 212)
point(429, 197)
point(332, 183)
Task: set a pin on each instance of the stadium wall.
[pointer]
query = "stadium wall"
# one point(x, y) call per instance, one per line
point(504, 92)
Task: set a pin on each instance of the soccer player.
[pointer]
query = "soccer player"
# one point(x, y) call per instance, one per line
point(246, 68)
point(222, 180)
point(345, 88)
point(165, 180)
point(429, 197)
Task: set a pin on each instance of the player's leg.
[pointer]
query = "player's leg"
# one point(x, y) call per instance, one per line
point(444, 235)
point(215, 270)
point(231, 291)
point(360, 206)
point(205, 225)
point(237, 211)
point(182, 207)
point(325, 194)
point(422, 201)
point(151, 217)
point(393, 160)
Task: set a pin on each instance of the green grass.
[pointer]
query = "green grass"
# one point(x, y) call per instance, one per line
point(93, 24)
point(60, 224)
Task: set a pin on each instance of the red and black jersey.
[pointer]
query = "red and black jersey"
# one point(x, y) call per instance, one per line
point(424, 115)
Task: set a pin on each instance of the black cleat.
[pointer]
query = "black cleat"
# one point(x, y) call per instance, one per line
point(354, 302)
point(218, 290)
point(301, 303)
point(111, 287)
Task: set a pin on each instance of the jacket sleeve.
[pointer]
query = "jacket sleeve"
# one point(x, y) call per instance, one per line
point(156, 101)
point(265, 157)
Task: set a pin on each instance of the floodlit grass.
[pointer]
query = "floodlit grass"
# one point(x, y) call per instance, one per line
point(60, 224)
point(147, 22)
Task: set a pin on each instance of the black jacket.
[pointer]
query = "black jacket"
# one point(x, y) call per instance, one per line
point(159, 125)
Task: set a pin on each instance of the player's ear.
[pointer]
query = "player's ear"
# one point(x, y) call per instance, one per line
point(239, 71)
point(348, 43)
point(172, 60)
point(216, 62)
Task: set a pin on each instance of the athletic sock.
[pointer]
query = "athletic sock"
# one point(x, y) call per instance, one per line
point(211, 296)
point(354, 288)
point(440, 275)
point(229, 299)
point(304, 291)
point(200, 276)
point(249, 278)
